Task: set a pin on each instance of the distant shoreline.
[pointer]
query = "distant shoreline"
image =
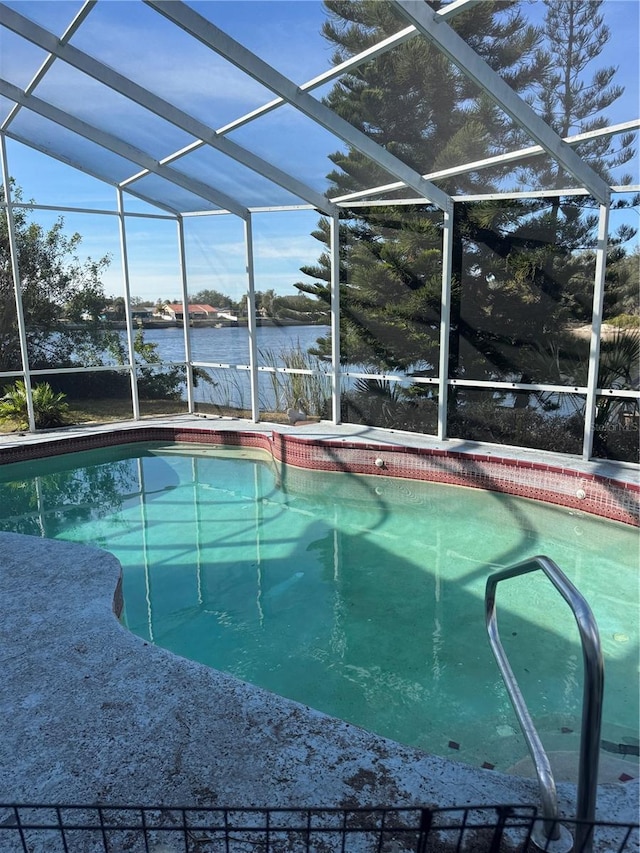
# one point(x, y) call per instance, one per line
point(200, 324)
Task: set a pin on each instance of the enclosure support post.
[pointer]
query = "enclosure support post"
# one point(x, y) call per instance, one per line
point(17, 284)
point(127, 307)
point(185, 303)
point(445, 321)
point(596, 331)
point(334, 224)
point(251, 319)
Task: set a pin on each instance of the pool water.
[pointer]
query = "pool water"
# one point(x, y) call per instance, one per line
point(359, 596)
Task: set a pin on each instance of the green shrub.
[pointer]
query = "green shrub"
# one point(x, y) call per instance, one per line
point(625, 321)
point(50, 408)
point(381, 403)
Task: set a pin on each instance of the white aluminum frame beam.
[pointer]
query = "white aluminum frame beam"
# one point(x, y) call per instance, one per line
point(336, 391)
point(445, 325)
point(218, 41)
point(566, 192)
point(48, 62)
point(524, 195)
point(251, 320)
point(122, 149)
point(475, 68)
point(81, 167)
point(596, 332)
point(168, 112)
point(186, 325)
point(446, 13)
point(497, 160)
point(97, 210)
point(124, 257)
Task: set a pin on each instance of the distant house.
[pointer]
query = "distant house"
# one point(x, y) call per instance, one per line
point(197, 311)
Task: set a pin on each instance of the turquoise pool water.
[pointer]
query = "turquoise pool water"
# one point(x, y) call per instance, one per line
point(362, 597)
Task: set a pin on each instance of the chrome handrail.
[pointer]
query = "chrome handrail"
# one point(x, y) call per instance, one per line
point(591, 702)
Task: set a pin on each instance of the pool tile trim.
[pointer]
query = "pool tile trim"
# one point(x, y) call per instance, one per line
point(604, 496)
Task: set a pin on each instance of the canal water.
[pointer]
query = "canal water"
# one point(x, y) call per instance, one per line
point(229, 345)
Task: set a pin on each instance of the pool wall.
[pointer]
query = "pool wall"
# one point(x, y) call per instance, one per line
point(605, 496)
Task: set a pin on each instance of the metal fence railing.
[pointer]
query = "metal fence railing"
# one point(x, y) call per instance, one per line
point(142, 829)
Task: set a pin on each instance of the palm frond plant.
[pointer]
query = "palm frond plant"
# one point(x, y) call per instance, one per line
point(378, 402)
point(50, 407)
point(618, 370)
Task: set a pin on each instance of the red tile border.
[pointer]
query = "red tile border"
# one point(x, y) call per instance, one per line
point(590, 493)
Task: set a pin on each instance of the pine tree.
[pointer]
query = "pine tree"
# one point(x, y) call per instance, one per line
point(522, 270)
point(414, 103)
point(572, 99)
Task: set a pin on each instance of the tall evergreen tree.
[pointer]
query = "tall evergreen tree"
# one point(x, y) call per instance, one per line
point(522, 270)
point(572, 98)
point(416, 104)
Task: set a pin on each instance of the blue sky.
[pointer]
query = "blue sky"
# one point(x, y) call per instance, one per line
point(140, 44)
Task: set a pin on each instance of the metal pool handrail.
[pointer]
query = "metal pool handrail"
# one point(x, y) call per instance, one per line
point(591, 704)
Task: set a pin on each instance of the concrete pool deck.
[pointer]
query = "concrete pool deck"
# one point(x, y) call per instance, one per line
point(91, 713)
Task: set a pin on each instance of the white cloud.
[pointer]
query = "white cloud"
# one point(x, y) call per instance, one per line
point(279, 248)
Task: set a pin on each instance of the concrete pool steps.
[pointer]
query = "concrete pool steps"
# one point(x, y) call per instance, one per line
point(564, 765)
point(563, 749)
point(618, 761)
point(505, 749)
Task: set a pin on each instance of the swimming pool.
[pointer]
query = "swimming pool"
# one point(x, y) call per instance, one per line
point(358, 596)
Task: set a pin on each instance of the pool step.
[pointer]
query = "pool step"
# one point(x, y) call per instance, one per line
point(619, 764)
point(565, 768)
point(507, 753)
